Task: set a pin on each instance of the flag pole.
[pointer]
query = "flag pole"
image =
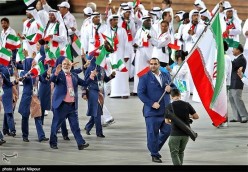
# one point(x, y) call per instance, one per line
point(191, 51)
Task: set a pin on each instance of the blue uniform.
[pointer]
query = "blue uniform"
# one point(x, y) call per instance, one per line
point(63, 110)
point(94, 108)
point(149, 91)
point(7, 100)
point(24, 107)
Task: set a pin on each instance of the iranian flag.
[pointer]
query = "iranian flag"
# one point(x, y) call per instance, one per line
point(12, 42)
point(37, 69)
point(28, 2)
point(5, 56)
point(34, 38)
point(76, 45)
point(212, 90)
point(19, 55)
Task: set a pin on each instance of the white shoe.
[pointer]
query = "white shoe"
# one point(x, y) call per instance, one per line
point(108, 122)
point(46, 112)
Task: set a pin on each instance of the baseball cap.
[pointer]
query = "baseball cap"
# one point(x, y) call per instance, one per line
point(64, 4)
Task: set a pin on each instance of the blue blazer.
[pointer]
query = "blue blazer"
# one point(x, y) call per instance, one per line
point(149, 91)
point(60, 88)
point(7, 98)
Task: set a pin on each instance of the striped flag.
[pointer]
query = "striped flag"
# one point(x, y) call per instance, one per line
point(50, 58)
point(120, 66)
point(5, 56)
point(100, 60)
point(38, 69)
point(34, 38)
point(136, 3)
point(28, 2)
point(19, 55)
point(211, 90)
point(67, 52)
point(76, 45)
point(12, 42)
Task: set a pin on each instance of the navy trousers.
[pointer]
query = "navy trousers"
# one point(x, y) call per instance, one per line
point(66, 110)
point(157, 134)
point(8, 123)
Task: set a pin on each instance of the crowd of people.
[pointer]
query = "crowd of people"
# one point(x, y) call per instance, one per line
point(147, 46)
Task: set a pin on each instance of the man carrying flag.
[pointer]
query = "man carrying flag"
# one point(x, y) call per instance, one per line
point(55, 33)
point(8, 38)
point(117, 37)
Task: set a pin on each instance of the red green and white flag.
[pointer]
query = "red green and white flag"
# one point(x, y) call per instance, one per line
point(12, 42)
point(101, 59)
point(37, 57)
point(34, 38)
point(136, 3)
point(120, 66)
point(19, 55)
point(67, 52)
point(76, 45)
point(212, 90)
point(28, 2)
point(37, 69)
point(5, 56)
point(50, 58)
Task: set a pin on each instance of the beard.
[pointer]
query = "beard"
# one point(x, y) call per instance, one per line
point(67, 70)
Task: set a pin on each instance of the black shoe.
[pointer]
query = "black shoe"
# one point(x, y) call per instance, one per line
point(244, 121)
point(66, 138)
point(44, 139)
point(81, 147)
point(54, 146)
point(25, 140)
point(12, 134)
point(2, 141)
point(156, 159)
point(87, 132)
point(233, 120)
point(5, 132)
point(133, 94)
point(100, 135)
point(124, 97)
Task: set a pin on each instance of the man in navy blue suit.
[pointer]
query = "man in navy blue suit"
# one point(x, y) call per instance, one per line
point(150, 88)
point(65, 102)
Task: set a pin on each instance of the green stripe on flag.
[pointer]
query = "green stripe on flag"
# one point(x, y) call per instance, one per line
point(216, 29)
point(101, 56)
point(68, 52)
point(5, 52)
point(41, 66)
point(13, 37)
point(30, 37)
point(116, 66)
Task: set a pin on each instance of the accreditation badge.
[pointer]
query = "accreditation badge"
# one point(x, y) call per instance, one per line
point(100, 85)
point(71, 92)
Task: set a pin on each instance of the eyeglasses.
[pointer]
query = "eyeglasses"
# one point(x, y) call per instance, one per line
point(153, 63)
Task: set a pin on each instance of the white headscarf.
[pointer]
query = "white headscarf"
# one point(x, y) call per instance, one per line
point(191, 14)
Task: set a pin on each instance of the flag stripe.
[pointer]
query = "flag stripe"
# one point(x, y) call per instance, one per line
point(201, 80)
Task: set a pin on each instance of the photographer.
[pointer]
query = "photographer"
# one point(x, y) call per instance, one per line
point(178, 138)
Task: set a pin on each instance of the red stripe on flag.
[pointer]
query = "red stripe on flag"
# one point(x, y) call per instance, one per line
point(12, 47)
point(4, 62)
point(174, 46)
point(203, 85)
point(34, 71)
point(143, 71)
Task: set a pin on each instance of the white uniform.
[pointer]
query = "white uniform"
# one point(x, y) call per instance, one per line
point(29, 28)
point(130, 51)
point(88, 38)
point(44, 17)
point(61, 38)
point(245, 29)
point(162, 41)
point(5, 34)
point(144, 53)
point(120, 84)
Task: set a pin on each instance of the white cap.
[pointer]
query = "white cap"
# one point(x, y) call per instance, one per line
point(88, 11)
point(64, 4)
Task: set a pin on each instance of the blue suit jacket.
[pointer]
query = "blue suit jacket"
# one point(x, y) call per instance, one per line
point(60, 88)
point(149, 91)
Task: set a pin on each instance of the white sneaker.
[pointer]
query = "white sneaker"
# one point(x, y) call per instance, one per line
point(46, 112)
